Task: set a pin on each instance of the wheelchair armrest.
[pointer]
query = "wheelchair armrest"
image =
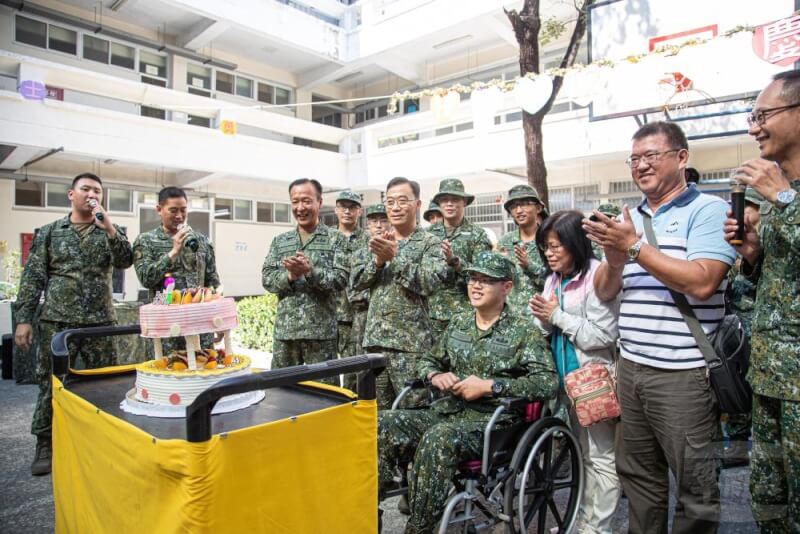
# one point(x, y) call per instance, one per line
point(414, 383)
point(514, 403)
point(408, 385)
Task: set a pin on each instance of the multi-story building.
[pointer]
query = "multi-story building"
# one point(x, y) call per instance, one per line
point(233, 100)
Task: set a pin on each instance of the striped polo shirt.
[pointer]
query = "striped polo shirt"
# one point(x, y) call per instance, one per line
point(652, 330)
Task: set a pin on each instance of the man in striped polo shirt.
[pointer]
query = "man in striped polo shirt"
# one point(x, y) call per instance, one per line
point(670, 421)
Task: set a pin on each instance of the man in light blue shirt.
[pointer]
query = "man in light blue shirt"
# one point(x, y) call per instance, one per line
point(670, 420)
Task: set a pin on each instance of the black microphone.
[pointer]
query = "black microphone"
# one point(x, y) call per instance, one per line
point(93, 205)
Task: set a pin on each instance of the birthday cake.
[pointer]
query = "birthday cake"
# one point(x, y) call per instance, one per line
point(168, 384)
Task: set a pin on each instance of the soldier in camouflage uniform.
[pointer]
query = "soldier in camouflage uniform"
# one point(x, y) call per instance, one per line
point(305, 269)
point(348, 213)
point(771, 258)
point(741, 298)
point(487, 353)
point(609, 210)
point(524, 206)
point(461, 243)
point(401, 269)
point(71, 261)
point(163, 252)
point(433, 214)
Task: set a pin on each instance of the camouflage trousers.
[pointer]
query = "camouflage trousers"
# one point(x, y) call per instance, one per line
point(347, 349)
point(436, 444)
point(775, 465)
point(88, 353)
point(400, 366)
point(290, 352)
point(738, 426)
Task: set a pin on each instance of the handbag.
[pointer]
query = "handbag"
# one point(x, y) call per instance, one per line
point(727, 354)
point(593, 393)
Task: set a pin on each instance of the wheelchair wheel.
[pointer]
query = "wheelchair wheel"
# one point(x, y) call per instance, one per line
point(537, 498)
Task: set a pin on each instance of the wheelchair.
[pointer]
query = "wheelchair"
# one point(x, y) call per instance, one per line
point(518, 481)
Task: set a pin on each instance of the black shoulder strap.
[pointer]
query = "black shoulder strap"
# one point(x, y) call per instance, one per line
point(700, 337)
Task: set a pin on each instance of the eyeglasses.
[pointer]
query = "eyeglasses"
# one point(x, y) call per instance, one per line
point(760, 116)
point(649, 157)
point(473, 280)
point(401, 202)
point(552, 248)
point(521, 204)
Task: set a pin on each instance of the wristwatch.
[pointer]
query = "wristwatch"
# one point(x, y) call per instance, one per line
point(785, 198)
point(498, 386)
point(633, 251)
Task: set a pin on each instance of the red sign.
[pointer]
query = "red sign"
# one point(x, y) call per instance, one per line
point(778, 42)
point(26, 239)
point(56, 93)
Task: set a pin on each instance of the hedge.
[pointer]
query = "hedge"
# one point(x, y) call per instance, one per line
point(256, 320)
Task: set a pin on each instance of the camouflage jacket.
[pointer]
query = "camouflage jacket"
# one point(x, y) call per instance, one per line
point(775, 357)
point(466, 241)
point(355, 241)
point(307, 306)
point(510, 351)
point(526, 281)
point(190, 269)
point(398, 301)
point(73, 273)
point(741, 296)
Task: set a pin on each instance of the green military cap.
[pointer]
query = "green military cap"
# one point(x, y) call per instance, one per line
point(519, 192)
point(349, 196)
point(433, 207)
point(453, 186)
point(493, 265)
point(752, 196)
point(376, 209)
point(609, 210)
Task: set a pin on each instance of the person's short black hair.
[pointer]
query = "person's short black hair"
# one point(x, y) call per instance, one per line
point(692, 175)
point(674, 134)
point(400, 180)
point(301, 181)
point(87, 176)
point(170, 192)
point(790, 89)
point(567, 226)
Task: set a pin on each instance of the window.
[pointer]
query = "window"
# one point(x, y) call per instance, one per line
point(223, 209)
point(225, 82)
point(123, 56)
point(154, 113)
point(242, 209)
point(282, 96)
point(119, 200)
point(411, 106)
point(57, 196)
point(152, 64)
point(587, 197)
point(198, 76)
point(148, 198)
point(560, 199)
point(463, 127)
point(282, 213)
point(63, 40)
point(32, 32)
point(486, 209)
point(265, 93)
point(244, 87)
point(194, 120)
point(264, 212)
point(95, 49)
point(29, 194)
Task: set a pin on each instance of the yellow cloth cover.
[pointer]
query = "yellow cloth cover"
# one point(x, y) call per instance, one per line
point(316, 474)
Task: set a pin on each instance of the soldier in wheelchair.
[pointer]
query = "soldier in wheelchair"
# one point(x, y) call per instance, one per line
point(482, 453)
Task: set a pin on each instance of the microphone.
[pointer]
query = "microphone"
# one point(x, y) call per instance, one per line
point(93, 205)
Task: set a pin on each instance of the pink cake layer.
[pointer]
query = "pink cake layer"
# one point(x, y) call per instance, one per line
point(187, 319)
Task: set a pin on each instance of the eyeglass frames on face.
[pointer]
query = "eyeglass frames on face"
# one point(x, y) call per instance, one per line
point(650, 157)
point(401, 202)
point(555, 249)
point(760, 116)
point(474, 280)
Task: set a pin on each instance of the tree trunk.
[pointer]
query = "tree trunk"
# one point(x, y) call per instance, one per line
point(527, 24)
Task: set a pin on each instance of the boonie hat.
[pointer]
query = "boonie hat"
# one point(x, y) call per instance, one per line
point(519, 192)
point(609, 210)
point(493, 265)
point(454, 187)
point(433, 207)
point(349, 196)
point(376, 209)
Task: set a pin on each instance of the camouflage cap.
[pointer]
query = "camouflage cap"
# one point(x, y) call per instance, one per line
point(609, 210)
point(493, 265)
point(453, 186)
point(349, 196)
point(752, 196)
point(433, 207)
point(519, 192)
point(376, 209)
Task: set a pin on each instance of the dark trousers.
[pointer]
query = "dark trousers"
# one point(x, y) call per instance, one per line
point(670, 422)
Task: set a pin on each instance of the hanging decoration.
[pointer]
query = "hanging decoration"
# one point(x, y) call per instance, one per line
point(444, 106)
point(485, 103)
point(531, 94)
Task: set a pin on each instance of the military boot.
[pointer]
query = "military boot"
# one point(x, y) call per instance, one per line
point(43, 458)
